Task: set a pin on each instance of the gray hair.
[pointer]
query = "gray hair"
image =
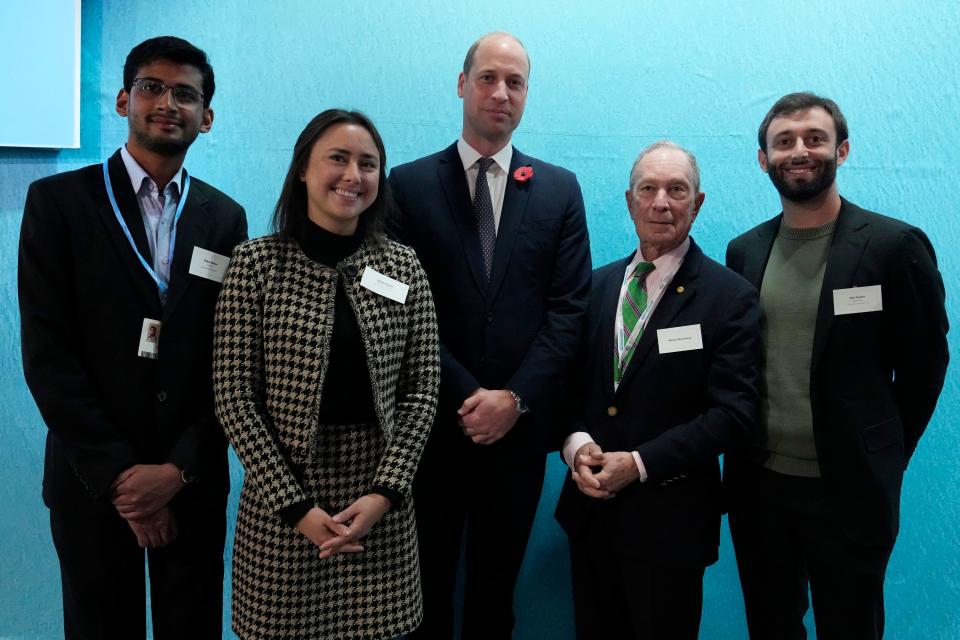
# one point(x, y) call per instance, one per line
point(665, 144)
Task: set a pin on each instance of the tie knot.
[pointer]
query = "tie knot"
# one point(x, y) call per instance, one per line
point(484, 164)
point(643, 269)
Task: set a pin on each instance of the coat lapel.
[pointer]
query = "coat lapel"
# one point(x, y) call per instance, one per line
point(192, 231)
point(755, 260)
point(850, 238)
point(515, 200)
point(454, 183)
point(677, 295)
point(130, 211)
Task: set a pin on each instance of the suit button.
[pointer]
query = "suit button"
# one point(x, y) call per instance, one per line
point(489, 318)
point(162, 396)
point(351, 270)
point(611, 411)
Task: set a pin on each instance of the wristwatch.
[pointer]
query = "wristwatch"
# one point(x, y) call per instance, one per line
point(186, 477)
point(522, 407)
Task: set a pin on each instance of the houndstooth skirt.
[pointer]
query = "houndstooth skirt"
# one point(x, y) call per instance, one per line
point(282, 589)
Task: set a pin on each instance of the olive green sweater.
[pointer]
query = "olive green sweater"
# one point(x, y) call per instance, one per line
point(789, 297)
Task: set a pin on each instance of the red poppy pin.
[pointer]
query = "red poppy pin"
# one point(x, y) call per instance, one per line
point(523, 174)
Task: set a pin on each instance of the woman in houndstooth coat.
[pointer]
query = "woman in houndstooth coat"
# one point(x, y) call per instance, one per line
point(326, 373)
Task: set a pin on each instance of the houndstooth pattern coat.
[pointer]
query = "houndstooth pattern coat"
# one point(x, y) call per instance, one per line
point(273, 325)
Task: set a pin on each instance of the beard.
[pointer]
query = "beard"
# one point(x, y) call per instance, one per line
point(163, 147)
point(801, 191)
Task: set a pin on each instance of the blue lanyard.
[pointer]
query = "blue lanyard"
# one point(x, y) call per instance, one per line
point(161, 285)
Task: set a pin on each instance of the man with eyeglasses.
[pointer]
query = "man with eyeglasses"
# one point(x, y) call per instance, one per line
point(120, 266)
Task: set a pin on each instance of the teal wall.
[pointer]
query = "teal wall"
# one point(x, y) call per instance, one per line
point(608, 78)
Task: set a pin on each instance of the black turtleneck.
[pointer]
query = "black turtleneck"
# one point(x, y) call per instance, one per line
point(347, 397)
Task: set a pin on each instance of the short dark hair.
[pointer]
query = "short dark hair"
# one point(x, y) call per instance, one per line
point(290, 214)
point(175, 50)
point(472, 51)
point(794, 102)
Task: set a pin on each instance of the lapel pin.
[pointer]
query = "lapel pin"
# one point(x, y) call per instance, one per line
point(680, 289)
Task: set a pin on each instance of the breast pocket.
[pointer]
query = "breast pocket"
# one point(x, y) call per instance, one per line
point(540, 225)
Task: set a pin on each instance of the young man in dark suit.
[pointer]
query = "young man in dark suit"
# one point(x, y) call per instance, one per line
point(119, 270)
point(855, 354)
point(503, 239)
point(668, 382)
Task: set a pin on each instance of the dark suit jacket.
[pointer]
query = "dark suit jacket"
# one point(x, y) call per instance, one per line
point(521, 331)
point(83, 298)
point(875, 377)
point(679, 411)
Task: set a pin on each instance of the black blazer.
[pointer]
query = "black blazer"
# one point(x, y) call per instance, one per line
point(679, 411)
point(521, 331)
point(83, 297)
point(875, 377)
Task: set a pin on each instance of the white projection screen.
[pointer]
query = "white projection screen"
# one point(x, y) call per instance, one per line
point(40, 73)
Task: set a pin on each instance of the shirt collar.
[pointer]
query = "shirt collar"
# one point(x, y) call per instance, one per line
point(469, 155)
point(138, 174)
point(665, 263)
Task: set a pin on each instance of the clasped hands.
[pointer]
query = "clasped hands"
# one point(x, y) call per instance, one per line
point(487, 415)
point(601, 475)
point(141, 495)
point(342, 532)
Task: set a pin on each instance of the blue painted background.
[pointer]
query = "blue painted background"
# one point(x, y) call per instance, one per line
point(608, 77)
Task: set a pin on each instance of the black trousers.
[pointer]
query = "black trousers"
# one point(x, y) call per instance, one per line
point(102, 571)
point(492, 492)
point(619, 593)
point(786, 539)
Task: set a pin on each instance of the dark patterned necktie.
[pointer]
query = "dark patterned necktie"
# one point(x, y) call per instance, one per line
point(483, 210)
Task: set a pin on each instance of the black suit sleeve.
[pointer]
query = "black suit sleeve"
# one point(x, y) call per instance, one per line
point(549, 359)
point(920, 323)
point(203, 433)
point(732, 395)
point(70, 405)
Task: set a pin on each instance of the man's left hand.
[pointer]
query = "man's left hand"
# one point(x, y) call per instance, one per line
point(617, 470)
point(488, 415)
point(143, 489)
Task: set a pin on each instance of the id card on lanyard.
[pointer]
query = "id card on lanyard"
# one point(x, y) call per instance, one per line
point(161, 285)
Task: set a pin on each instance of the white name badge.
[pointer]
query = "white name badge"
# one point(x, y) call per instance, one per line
point(384, 285)
point(675, 339)
point(857, 300)
point(208, 264)
point(149, 337)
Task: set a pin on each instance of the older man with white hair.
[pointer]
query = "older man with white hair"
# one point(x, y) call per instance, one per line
point(669, 381)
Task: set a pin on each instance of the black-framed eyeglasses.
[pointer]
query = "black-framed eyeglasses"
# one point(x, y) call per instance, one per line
point(153, 88)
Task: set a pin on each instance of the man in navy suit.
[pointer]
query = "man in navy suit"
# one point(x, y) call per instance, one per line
point(503, 239)
point(855, 353)
point(119, 270)
point(668, 382)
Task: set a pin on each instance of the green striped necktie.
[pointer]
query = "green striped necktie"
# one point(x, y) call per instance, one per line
point(634, 303)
